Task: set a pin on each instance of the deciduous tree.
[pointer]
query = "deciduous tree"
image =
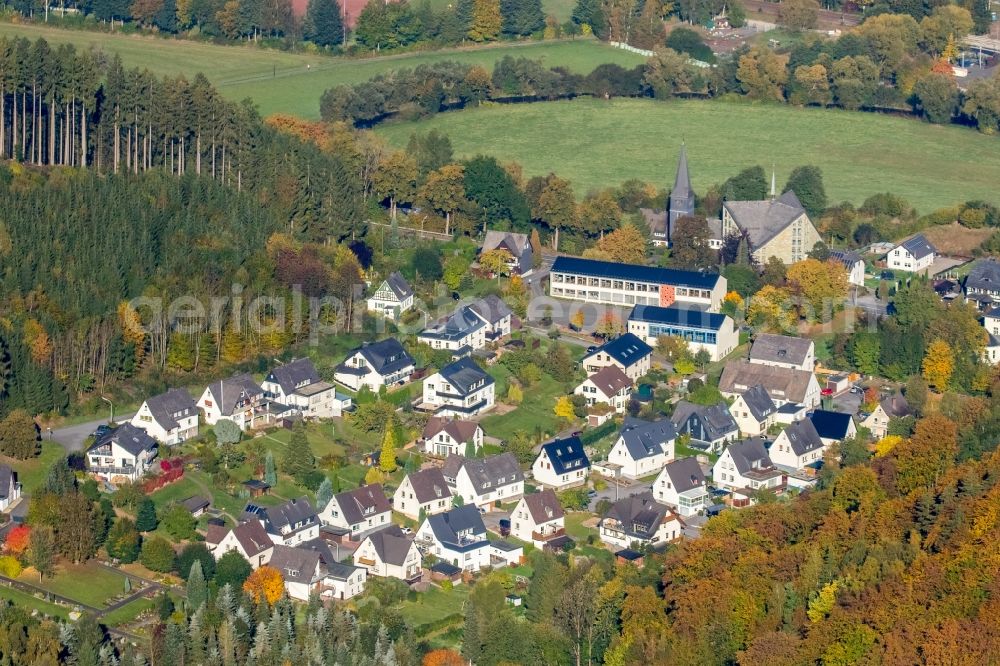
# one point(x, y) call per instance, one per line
point(564, 408)
point(19, 435)
point(938, 364)
point(265, 585)
point(387, 456)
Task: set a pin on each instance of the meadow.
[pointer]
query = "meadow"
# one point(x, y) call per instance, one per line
point(598, 143)
point(280, 82)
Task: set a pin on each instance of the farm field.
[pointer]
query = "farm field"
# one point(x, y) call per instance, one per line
point(598, 143)
point(280, 82)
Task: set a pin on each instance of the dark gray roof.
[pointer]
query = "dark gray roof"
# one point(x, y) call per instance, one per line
point(7, 476)
point(566, 455)
point(918, 246)
point(758, 402)
point(615, 270)
point(391, 545)
point(399, 286)
point(846, 257)
point(460, 323)
point(763, 220)
point(228, 392)
point(297, 565)
point(491, 309)
point(429, 485)
point(485, 473)
point(681, 202)
point(685, 474)
point(167, 407)
point(645, 439)
point(460, 430)
point(803, 437)
point(626, 349)
point(362, 502)
point(775, 348)
point(786, 384)
point(896, 405)
point(517, 244)
point(454, 528)
point(984, 275)
point(196, 503)
point(252, 537)
point(294, 514)
point(132, 439)
point(640, 515)
point(544, 506)
point(292, 375)
point(715, 422)
point(678, 316)
point(750, 454)
point(465, 376)
point(830, 425)
point(385, 356)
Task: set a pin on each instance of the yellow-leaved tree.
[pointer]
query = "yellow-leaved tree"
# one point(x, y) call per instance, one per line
point(387, 457)
point(564, 408)
point(265, 584)
point(938, 365)
point(885, 445)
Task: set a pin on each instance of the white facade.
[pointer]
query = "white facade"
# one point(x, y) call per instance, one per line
point(473, 556)
point(633, 468)
point(443, 443)
point(900, 259)
point(633, 371)
point(687, 502)
point(333, 514)
point(781, 453)
point(505, 492)
point(524, 526)
point(230, 542)
point(718, 342)
point(385, 302)
point(356, 372)
point(452, 401)
point(594, 394)
point(116, 464)
point(547, 474)
point(856, 273)
point(367, 556)
point(725, 474)
point(406, 501)
point(248, 411)
point(745, 419)
point(186, 425)
point(344, 586)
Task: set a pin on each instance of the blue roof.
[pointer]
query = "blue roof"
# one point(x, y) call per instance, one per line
point(674, 316)
point(830, 425)
point(626, 349)
point(610, 269)
point(566, 455)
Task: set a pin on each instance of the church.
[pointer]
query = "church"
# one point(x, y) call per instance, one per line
point(775, 227)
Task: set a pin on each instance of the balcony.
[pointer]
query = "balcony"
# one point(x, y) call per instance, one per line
point(110, 471)
point(547, 535)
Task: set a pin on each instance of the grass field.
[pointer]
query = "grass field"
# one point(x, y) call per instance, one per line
point(26, 600)
point(88, 584)
point(433, 605)
point(597, 143)
point(32, 472)
point(280, 82)
point(127, 613)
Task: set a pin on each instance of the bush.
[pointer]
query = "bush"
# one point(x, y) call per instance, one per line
point(157, 554)
point(10, 567)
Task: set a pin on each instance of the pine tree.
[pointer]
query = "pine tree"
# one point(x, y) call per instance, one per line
point(145, 516)
point(270, 473)
point(522, 17)
point(197, 590)
point(324, 494)
point(324, 25)
point(387, 457)
point(299, 459)
point(486, 21)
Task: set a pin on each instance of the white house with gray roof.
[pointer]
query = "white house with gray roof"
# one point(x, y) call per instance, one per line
point(783, 351)
point(912, 255)
point(754, 411)
point(561, 464)
point(249, 539)
point(609, 385)
point(239, 399)
point(681, 485)
point(518, 245)
point(982, 284)
point(422, 491)
point(290, 524)
point(776, 227)
point(460, 389)
point(297, 384)
point(852, 263)
point(169, 418)
point(484, 481)
point(470, 327)
point(798, 446)
point(746, 466)
point(628, 352)
point(443, 436)
point(123, 455)
point(300, 568)
point(710, 426)
point(10, 488)
point(643, 447)
point(783, 384)
point(639, 520)
point(390, 554)
point(392, 297)
point(457, 537)
point(538, 518)
point(360, 511)
point(382, 363)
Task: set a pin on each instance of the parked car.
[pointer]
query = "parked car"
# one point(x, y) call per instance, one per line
point(406, 530)
point(102, 430)
point(591, 349)
point(504, 527)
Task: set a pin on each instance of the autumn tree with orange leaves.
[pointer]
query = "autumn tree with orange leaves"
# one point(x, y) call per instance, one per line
point(18, 540)
point(265, 584)
point(443, 657)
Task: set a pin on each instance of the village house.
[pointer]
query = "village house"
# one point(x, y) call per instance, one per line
point(443, 437)
point(775, 227)
point(783, 351)
point(422, 492)
point(798, 446)
point(249, 539)
point(393, 297)
point(715, 333)
point(833, 427)
point(710, 426)
point(753, 410)
point(782, 384)
point(561, 464)
point(539, 519)
point(991, 322)
point(643, 447)
point(300, 569)
point(982, 284)
point(10, 488)
point(459, 389)
point(471, 327)
point(912, 255)
point(609, 386)
point(853, 264)
point(239, 399)
point(484, 481)
point(497, 314)
point(746, 466)
point(342, 581)
point(361, 511)
point(521, 254)
point(382, 363)
point(122, 455)
point(169, 418)
point(289, 524)
point(630, 354)
point(594, 281)
point(297, 384)
point(457, 537)
point(890, 407)
point(639, 520)
point(681, 485)
point(390, 554)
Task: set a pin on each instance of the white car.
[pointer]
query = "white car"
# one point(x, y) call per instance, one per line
point(406, 530)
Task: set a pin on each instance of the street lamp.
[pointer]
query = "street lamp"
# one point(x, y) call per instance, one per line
point(112, 419)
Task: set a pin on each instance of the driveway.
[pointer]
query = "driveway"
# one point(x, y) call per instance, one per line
point(617, 490)
point(72, 437)
point(493, 518)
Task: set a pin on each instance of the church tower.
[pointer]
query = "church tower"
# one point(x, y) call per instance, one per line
point(681, 202)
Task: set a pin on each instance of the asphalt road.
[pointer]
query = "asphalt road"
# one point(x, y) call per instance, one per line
point(72, 437)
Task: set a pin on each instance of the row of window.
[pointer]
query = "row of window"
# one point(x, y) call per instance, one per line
point(627, 285)
point(691, 335)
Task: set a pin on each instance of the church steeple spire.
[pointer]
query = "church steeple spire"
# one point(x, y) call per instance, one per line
point(773, 184)
point(681, 202)
point(682, 181)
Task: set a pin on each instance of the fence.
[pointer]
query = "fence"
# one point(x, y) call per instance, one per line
point(419, 233)
point(631, 49)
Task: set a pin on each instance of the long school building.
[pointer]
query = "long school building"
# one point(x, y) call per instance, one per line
point(715, 333)
point(631, 284)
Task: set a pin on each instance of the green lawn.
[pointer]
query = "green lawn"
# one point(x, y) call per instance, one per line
point(26, 600)
point(282, 82)
point(575, 528)
point(561, 9)
point(597, 143)
point(32, 472)
point(433, 605)
point(88, 584)
point(535, 411)
point(127, 613)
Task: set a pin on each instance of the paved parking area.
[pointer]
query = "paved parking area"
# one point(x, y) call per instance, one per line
point(617, 490)
point(493, 518)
